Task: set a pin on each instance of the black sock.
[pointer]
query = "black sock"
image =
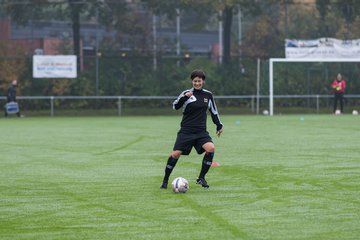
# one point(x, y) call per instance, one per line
point(206, 164)
point(169, 167)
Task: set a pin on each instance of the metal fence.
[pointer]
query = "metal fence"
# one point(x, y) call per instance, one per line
point(160, 105)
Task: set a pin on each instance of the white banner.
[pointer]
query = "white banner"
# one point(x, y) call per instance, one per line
point(54, 66)
point(322, 48)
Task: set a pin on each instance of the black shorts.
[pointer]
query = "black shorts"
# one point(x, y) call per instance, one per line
point(185, 141)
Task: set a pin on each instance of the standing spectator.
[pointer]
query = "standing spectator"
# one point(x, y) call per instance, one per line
point(338, 87)
point(11, 96)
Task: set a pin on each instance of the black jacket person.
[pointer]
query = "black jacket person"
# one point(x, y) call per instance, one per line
point(11, 96)
point(11, 92)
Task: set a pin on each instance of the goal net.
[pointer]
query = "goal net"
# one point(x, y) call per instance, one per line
point(307, 78)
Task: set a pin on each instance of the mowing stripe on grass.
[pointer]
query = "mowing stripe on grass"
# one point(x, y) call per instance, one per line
point(139, 139)
point(214, 218)
point(98, 178)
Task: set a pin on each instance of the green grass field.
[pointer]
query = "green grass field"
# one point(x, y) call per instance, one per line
point(282, 177)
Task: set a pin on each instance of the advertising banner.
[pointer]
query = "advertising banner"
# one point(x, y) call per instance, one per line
point(57, 66)
point(322, 48)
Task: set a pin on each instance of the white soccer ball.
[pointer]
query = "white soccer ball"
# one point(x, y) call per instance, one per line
point(337, 112)
point(355, 112)
point(180, 185)
point(266, 112)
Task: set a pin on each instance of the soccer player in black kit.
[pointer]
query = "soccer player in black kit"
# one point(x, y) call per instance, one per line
point(195, 103)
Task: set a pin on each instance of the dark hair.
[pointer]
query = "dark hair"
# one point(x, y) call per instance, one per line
point(197, 73)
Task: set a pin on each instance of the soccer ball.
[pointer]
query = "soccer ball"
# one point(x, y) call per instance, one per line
point(180, 185)
point(266, 112)
point(337, 112)
point(355, 112)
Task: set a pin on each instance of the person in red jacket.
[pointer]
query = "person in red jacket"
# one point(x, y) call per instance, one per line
point(338, 87)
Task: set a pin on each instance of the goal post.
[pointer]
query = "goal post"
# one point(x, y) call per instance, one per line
point(276, 60)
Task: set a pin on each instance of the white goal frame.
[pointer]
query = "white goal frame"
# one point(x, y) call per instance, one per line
point(275, 60)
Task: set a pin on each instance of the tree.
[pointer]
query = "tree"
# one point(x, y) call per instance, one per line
point(229, 7)
point(72, 10)
point(210, 8)
point(75, 9)
point(349, 10)
point(323, 8)
point(329, 11)
point(11, 67)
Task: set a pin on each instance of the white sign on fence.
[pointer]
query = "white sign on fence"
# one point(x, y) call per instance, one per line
point(54, 66)
point(322, 48)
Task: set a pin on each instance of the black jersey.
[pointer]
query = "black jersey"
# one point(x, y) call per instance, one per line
point(195, 109)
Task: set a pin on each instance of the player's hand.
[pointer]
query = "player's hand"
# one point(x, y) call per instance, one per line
point(219, 132)
point(189, 94)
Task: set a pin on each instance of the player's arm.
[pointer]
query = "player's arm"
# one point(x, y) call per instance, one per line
point(183, 97)
point(215, 117)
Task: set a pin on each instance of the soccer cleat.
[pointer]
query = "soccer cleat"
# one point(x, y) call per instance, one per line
point(164, 185)
point(203, 182)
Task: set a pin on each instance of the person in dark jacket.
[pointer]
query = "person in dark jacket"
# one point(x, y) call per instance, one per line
point(195, 103)
point(11, 96)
